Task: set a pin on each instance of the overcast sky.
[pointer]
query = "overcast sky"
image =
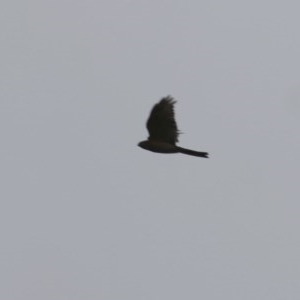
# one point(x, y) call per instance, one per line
point(86, 214)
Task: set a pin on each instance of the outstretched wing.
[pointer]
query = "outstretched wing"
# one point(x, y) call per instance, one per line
point(161, 123)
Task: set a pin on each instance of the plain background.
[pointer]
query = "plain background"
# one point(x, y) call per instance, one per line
point(86, 214)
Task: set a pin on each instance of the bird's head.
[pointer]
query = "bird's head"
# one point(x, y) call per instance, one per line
point(144, 144)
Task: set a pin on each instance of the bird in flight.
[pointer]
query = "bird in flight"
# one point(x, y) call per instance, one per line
point(163, 132)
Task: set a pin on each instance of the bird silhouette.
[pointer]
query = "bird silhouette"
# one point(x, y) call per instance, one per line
point(163, 131)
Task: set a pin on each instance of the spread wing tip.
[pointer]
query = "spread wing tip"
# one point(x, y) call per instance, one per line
point(169, 99)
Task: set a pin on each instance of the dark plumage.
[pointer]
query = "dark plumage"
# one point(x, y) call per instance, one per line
point(163, 131)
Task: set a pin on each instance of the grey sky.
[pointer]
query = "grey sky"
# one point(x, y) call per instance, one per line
point(86, 214)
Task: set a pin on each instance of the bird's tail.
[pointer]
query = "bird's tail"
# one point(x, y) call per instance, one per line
point(192, 152)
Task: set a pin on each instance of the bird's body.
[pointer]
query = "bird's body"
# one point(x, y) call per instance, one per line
point(163, 132)
point(159, 147)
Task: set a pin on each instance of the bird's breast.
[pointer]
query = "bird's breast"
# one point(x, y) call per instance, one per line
point(159, 147)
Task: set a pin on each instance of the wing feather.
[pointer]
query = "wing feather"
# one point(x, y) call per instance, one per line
point(161, 123)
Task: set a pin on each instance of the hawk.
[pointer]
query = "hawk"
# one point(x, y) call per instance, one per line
point(163, 132)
